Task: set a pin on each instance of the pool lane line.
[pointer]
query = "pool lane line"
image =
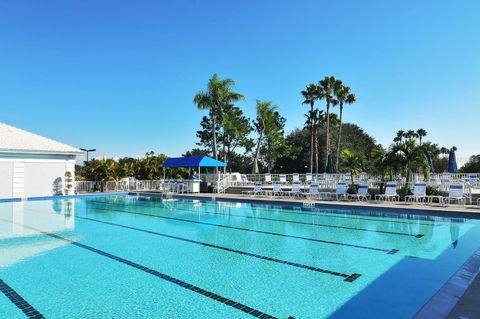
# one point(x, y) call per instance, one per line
point(19, 301)
point(229, 302)
point(388, 251)
point(282, 221)
point(320, 270)
point(329, 215)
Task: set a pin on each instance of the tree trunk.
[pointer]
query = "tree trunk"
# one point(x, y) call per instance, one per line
point(327, 142)
point(312, 139)
point(257, 154)
point(214, 136)
point(339, 139)
point(316, 145)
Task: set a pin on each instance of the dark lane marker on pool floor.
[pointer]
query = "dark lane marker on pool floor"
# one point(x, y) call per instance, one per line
point(282, 221)
point(324, 271)
point(18, 301)
point(388, 251)
point(178, 282)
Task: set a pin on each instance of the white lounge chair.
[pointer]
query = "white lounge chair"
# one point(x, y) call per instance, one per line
point(257, 190)
point(276, 191)
point(296, 190)
point(419, 193)
point(390, 193)
point(283, 178)
point(245, 180)
point(312, 191)
point(308, 177)
point(340, 192)
point(455, 194)
point(362, 193)
point(472, 179)
point(268, 178)
point(295, 177)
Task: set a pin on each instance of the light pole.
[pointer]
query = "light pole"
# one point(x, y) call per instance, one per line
point(88, 151)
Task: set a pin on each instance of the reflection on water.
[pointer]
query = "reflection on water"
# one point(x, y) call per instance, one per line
point(18, 242)
point(454, 234)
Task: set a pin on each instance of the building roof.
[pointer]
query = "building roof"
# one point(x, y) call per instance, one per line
point(15, 140)
point(193, 161)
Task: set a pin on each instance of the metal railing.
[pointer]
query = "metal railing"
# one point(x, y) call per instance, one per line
point(223, 182)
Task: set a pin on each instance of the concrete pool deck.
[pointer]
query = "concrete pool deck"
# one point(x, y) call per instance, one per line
point(459, 296)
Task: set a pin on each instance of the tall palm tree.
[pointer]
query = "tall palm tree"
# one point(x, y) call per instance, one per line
point(217, 96)
point(421, 133)
point(411, 134)
point(266, 112)
point(400, 135)
point(326, 87)
point(310, 95)
point(344, 96)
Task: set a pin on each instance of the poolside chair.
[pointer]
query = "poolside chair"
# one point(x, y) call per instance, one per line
point(455, 194)
point(257, 190)
point(472, 179)
point(296, 191)
point(312, 191)
point(283, 178)
point(419, 193)
point(340, 192)
point(245, 180)
point(308, 177)
point(276, 191)
point(295, 177)
point(362, 193)
point(268, 178)
point(390, 193)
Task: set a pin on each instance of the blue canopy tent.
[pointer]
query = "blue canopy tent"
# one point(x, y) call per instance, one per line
point(193, 161)
point(452, 161)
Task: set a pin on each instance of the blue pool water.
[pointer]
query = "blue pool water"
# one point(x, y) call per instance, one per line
point(141, 257)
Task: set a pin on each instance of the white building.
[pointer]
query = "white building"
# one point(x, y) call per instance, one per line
point(32, 165)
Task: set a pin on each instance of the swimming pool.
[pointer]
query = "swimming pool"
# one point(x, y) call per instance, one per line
point(141, 257)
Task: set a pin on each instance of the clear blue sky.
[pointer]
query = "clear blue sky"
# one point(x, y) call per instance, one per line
point(120, 75)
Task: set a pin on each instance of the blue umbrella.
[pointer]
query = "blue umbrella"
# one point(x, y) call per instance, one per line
point(452, 162)
point(430, 161)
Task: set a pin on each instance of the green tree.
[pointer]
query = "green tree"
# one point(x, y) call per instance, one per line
point(310, 95)
point(269, 126)
point(343, 95)
point(215, 99)
point(326, 91)
point(421, 133)
point(353, 162)
point(472, 166)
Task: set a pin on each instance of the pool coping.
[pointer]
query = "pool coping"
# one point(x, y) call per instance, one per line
point(446, 298)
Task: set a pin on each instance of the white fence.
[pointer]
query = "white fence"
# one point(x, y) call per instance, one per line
point(440, 181)
point(222, 182)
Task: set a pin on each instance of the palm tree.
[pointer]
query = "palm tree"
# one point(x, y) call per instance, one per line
point(343, 96)
point(217, 96)
point(400, 135)
point(310, 95)
point(326, 87)
point(421, 133)
point(353, 161)
point(266, 112)
point(411, 134)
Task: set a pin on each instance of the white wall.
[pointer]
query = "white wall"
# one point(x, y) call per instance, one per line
point(30, 177)
point(6, 178)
